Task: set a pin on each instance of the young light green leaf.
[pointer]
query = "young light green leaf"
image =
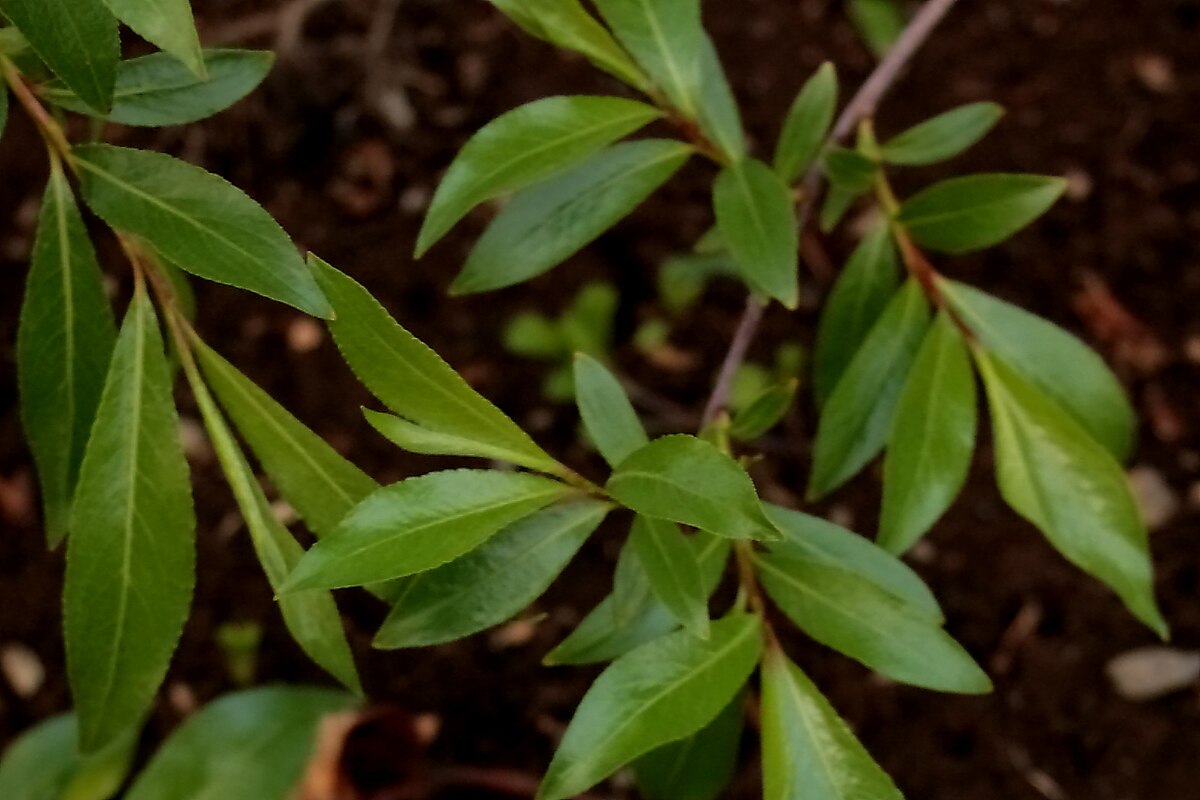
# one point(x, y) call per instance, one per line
point(808, 752)
point(604, 635)
point(1065, 483)
point(856, 420)
point(719, 116)
point(687, 480)
point(77, 39)
point(977, 211)
point(418, 439)
point(412, 380)
point(807, 124)
point(525, 145)
point(757, 221)
point(765, 412)
point(698, 767)
point(838, 200)
point(44, 764)
point(131, 553)
point(567, 24)
point(879, 23)
point(421, 523)
point(157, 90)
point(247, 746)
point(311, 617)
point(64, 345)
point(548, 223)
point(932, 438)
point(663, 691)
point(167, 24)
point(608, 416)
point(1057, 363)
point(809, 537)
point(841, 609)
point(943, 136)
point(665, 37)
point(850, 170)
point(199, 222)
point(494, 582)
point(869, 279)
point(672, 571)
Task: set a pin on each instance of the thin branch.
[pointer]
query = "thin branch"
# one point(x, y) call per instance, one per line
point(742, 338)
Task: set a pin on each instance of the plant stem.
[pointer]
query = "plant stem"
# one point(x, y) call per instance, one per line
point(51, 131)
point(738, 346)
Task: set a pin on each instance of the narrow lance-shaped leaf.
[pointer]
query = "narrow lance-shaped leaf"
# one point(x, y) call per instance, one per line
point(548, 223)
point(977, 211)
point(251, 745)
point(665, 37)
point(932, 438)
point(421, 523)
point(808, 752)
point(158, 90)
point(165, 23)
point(663, 691)
point(1057, 363)
point(698, 767)
point(197, 221)
point(3, 110)
point(672, 571)
point(765, 412)
point(631, 586)
point(311, 617)
point(1061, 480)
point(413, 381)
point(943, 136)
point(44, 763)
point(854, 616)
point(77, 39)
point(856, 419)
point(131, 554)
point(523, 146)
point(64, 345)
point(869, 279)
point(719, 116)
point(608, 416)
point(757, 221)
point(807, 124)
point(687, 480)
point(879, 23)
point(493, 583)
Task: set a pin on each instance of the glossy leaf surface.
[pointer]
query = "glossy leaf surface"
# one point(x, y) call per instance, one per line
point(757, 222)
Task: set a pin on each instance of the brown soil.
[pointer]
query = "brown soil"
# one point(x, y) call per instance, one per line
point(1102, 90)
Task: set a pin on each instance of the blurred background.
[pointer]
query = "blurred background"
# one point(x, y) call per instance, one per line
point(368, 103)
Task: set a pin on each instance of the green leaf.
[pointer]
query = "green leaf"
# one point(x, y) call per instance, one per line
point(311, 617)
point(879, 23)
point(631, 586)
point(687, 480)
point(1059, 364)
point(932, 438)
point(850, 170)
point(131, 553)
point(566, 24)
point(165, 23)
point(856, 419)
point(77, 39)
point(812, 538)
point(977, 211)
point(719, 116)
point(699, 767)
point(672, 571)
point(765, 412)
point(608, 416)
point(531, 334)
point(666, 38)
point(841, 609)
point(661, 692)
point(44, 764)
point(547, 224)
point(837, 202)
point(197, 221)
point(525, 145)
point(757, 221)
point(1065, 483)
point(421, 523)
point(157, 90)
point(807, 124)
point(604, 635)
point(3, 110)
point(412, 380)
point(861, 293)
point(251, 745)
point(943, 136)
point(808, 752)
point(64, 344)
point(494, 582)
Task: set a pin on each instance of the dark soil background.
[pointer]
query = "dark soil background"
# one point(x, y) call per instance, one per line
point(345, 143)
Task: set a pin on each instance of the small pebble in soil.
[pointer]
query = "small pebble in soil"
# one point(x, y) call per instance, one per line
point(304, 335)
point(1155, 72)
point(1151, 672)
point(22, 669)
point(1157, 501)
